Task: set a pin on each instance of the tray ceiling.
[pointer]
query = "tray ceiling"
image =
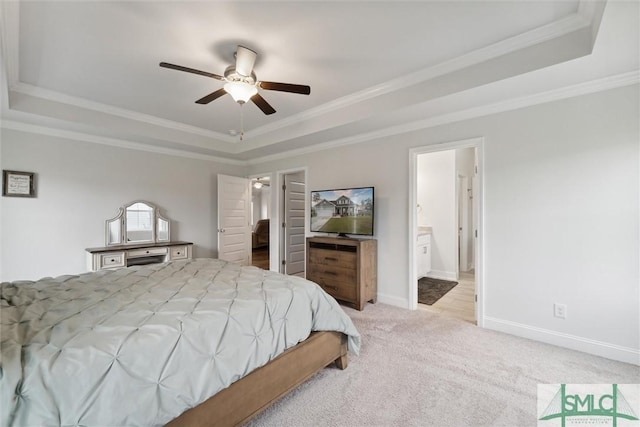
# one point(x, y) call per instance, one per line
point(91, 68)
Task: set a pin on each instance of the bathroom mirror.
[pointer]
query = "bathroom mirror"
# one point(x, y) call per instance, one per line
point(138, 222)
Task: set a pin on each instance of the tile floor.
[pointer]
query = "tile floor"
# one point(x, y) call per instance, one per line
point(459, 301)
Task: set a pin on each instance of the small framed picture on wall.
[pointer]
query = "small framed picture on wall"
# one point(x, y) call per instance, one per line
point(18, 184)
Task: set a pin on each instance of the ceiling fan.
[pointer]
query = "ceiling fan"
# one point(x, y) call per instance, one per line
point(261, 182)
point(241, 82)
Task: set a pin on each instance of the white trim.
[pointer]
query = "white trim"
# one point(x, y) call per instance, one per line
point(9, 33)
point(478, 144)
point(593, 86)
point(393, 300)
point(598, 348)
point(54, 96)
point(443, 275)
point(83, 137)
point(598, 85)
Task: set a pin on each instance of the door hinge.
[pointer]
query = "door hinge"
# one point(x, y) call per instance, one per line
point(284, 187)
point(476, 234)
point(284, 262)
point(284, 225)
point(476, 298)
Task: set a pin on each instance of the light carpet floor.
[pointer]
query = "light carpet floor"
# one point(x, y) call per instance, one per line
point(418, 368)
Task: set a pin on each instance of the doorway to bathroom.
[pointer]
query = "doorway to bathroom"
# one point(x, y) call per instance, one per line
point(445, 225)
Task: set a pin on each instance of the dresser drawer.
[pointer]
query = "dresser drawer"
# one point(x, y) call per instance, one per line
point(178, 252)
point(135, 253)
point(112, 260)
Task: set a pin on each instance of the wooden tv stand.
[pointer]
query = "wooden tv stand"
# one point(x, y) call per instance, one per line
point(347, 269)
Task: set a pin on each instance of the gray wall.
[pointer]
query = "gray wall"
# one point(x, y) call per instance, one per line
point(81, 184)
point(561, 185)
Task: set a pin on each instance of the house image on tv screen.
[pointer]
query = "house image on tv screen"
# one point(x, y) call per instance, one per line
point(342, 211)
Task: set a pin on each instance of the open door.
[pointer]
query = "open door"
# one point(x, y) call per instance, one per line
point(293, 226)
point(234, 219)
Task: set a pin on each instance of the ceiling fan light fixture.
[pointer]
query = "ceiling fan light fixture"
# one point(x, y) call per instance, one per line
point(240, 91)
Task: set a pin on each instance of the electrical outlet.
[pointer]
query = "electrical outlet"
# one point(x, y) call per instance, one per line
point(560, 310)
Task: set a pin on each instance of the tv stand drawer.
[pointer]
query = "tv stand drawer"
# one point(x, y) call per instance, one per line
point(340, 273)
point(332, 257)
point(335, 286)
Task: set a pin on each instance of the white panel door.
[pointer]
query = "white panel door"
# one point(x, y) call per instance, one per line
point(294, 208)
point(234, 215)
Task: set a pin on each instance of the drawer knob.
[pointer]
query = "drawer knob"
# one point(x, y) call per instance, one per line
point(147, 251)
point(113, 260)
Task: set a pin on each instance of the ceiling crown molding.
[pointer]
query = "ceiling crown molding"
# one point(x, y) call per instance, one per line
point(114, 142)
point(599, 85)
point(54, 96)
point(9, 31)
point(551, 31)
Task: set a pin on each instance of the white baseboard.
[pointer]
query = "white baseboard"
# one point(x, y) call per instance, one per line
point(443, 275)
point(598, 348)
point(395, 301)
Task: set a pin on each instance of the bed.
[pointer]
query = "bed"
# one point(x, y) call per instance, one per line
point(193, 342)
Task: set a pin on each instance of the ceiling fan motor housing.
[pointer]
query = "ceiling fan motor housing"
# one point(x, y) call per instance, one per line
point(230, 74)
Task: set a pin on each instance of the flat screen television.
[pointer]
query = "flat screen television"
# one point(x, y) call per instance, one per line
point(345, 211)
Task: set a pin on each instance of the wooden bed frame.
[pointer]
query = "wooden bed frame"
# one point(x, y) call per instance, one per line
point(250, 395)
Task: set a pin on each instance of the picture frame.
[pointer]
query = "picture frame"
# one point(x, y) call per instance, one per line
point(18, 184)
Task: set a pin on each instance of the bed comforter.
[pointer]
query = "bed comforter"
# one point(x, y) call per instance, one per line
point(140, 345)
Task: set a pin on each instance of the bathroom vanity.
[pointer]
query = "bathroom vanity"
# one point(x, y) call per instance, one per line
point(423, 252)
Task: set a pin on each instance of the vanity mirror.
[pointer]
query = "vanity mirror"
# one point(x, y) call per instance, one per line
point(137, 235)
point(138, 222)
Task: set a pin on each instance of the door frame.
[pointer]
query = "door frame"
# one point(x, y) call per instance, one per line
point(478, 144)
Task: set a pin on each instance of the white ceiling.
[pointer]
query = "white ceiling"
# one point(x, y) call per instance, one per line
point(89, 70)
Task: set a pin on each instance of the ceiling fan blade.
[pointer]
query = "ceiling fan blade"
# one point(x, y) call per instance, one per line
point(262, 104)
point(286, 87)
point(211, 97)
point(245, 59)
point(190, 70)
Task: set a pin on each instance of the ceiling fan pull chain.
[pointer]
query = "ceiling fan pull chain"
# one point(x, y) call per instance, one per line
point(241, 121)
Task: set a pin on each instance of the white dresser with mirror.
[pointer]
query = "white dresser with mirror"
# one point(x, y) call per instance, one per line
point(138, 235)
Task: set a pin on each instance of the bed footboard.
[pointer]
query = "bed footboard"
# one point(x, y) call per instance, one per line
point(248, 396)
